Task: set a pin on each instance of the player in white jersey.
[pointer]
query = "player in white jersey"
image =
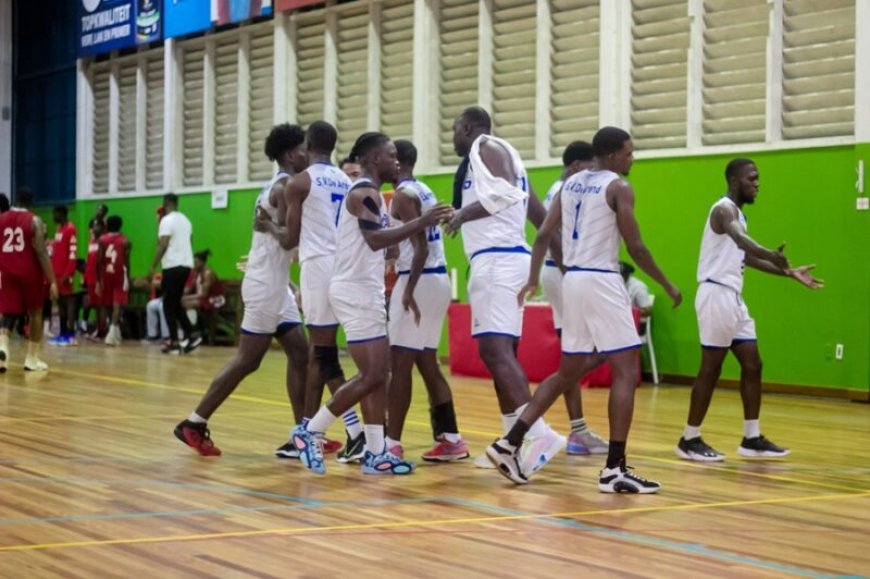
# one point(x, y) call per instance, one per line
point(356, 294)
point(723, 319)
point(576, 157)
point(270, 309)
point(313, 199)
point(594, 210)
point(491, 191)
point(420, 300)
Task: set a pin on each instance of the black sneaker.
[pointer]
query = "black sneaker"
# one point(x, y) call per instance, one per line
point(193, 343)
point(507, 462)
point(288, 450)
point(621, 479)
point(698, 450)
point(353, 450)
point(173, 348)
point(760, 447)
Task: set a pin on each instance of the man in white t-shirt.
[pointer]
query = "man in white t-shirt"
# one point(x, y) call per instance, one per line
point(175, 257)
point(638, 293)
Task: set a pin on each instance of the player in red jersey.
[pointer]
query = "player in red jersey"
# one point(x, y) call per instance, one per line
point(63, 260)
point(24, 262)
point(98, 228)
point(113, 271)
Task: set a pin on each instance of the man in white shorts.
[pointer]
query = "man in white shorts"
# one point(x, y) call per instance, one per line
point(491, 191)
point(356, 294)
point(420, 300)
point(270, 309)
point(582, 440)
point(594, 210)
point(723, 318)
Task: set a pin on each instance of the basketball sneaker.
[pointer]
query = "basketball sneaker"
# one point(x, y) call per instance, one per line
point(287, 450)
point(330, 446)
point(310, 449)
point(3, 356)
point(586, 442)
point(173, 348)
point(113, 338)
point(193, 343)
point(397, 451)
point(59, 341)
point(34, 364)
point(760, 447)
point(385, 463)
point(197, 436)
point(621, 479)
point(698, 450)
point(353, 450)
point(507, 460)
point(537, 451)
point(446, 451)
point(482, 461)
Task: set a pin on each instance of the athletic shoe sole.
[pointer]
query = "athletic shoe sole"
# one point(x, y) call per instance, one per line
point(495, 458)
point(445, 457)
point(623, 486)
point(482, 461)
point(748, 453)
point(577, 450)
point(179, 434)
point(698, 457)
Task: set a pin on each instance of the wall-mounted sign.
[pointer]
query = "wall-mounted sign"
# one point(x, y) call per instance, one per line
point(187, 16)
point(106, 25)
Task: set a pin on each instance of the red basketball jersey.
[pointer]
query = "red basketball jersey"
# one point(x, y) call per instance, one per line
point(114, 246)
point(17, 255)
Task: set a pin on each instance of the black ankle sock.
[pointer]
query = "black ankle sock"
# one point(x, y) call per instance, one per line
point(443, 419)
point(615, 453)
point(517, 432)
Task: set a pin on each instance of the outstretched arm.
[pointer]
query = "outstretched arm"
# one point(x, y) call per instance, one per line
point(620, 197)
point(550, 228)
point(800, 274)
point(364, 204)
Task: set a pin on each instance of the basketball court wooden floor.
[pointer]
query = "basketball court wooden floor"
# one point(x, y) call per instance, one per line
point(92, 483)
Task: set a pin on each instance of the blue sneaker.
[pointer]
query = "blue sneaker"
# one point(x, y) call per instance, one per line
point(310, 451)
point(385, 463)
point(59, 341)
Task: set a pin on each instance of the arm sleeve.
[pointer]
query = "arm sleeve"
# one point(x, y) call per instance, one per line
point(165, 227)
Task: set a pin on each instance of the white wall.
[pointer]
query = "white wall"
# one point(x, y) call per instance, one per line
point(6, 96)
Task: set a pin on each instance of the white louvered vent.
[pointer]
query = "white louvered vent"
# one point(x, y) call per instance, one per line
point(659, 51)
point(101, 76)
point(574, 61)
point(818, 68)
point(513, 80)
point(310, 52)
point(226, 109)
point(352, 99)
point(261, 100)
point(397, 61)
point(154, 121)
point(192, 114)
point(735, 71)
point(458, 39)
point(127, 73)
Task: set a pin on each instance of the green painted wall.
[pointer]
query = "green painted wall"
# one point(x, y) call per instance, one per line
point(807, 199)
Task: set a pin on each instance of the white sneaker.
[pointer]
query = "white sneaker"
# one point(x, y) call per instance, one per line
point(483, 461)
point(538, 451)
point(33, 364)
point(113, 338)
point(621, 479)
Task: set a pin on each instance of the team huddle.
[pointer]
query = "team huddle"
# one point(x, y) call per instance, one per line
point(343, 230)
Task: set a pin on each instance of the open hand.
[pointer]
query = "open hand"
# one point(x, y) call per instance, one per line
point(527, 293)
point(802, 275)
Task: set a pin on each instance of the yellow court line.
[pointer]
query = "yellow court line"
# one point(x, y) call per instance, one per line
point(417, 523)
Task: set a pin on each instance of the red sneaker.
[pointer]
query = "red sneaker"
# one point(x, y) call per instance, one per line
point(331, 446)
point(446, 451)
point(196, 436)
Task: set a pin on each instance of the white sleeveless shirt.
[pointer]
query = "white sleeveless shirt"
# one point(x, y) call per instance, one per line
point(590, 236)
point(548, 200)
point(268, 262)
point(355, 262)
point(329, 186)
point(721, 261)
point(435, 259)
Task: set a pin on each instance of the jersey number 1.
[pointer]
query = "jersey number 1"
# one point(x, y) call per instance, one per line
point(576, 219)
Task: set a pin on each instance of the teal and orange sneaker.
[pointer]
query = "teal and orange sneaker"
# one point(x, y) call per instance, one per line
point(385, 463)
point(310, 451)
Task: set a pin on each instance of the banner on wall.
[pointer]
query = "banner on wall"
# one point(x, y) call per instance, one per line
point(294, 4)
point(106, 25)
point(188, 16)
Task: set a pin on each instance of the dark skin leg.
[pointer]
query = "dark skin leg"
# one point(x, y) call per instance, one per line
point(574, 403)
point(512, 385)
point(399, 390)
point(246, 361)
point(571, 369)
point(436, 383)
point(369, 386)
point(750, 377)
point(621, 404)
point(705, 383)
point(313, 382)
point(296, 348)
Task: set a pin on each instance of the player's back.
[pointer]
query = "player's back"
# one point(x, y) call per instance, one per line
point(320, 210)
point(114, 247)
point(435, 257)
point(355, 261)
point(16, 243)
point(590, 236)
point(268, 262)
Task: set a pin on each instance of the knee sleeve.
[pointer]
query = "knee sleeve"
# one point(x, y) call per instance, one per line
point(327, 361)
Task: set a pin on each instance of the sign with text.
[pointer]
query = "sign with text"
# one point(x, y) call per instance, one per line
point(188, 16)
point(106, 25)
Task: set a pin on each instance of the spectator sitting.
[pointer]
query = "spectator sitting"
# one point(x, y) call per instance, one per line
point(208, 291)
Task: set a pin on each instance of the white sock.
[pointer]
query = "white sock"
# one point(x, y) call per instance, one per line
point(451, 437)
point(4, 342)
point(196, 418)
point(374, 438)
point(579, 425)
point(391, 442)
point(507, 421)
point(751, 429)
point(321, 421)
point(690, 432)
point(351, 423)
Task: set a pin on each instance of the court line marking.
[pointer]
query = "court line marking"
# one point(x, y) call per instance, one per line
point(256, 399)
point(413, 523)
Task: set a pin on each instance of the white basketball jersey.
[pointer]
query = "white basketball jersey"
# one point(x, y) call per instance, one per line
point(355, 261)
point(721, 260)
point(320, 210)
point(548, 200)
point(435, 259)
point(505, 229)
point(590, 237)
point(268, 262)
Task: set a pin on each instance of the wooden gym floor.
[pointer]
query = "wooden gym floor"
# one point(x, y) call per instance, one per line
point(92, 483)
